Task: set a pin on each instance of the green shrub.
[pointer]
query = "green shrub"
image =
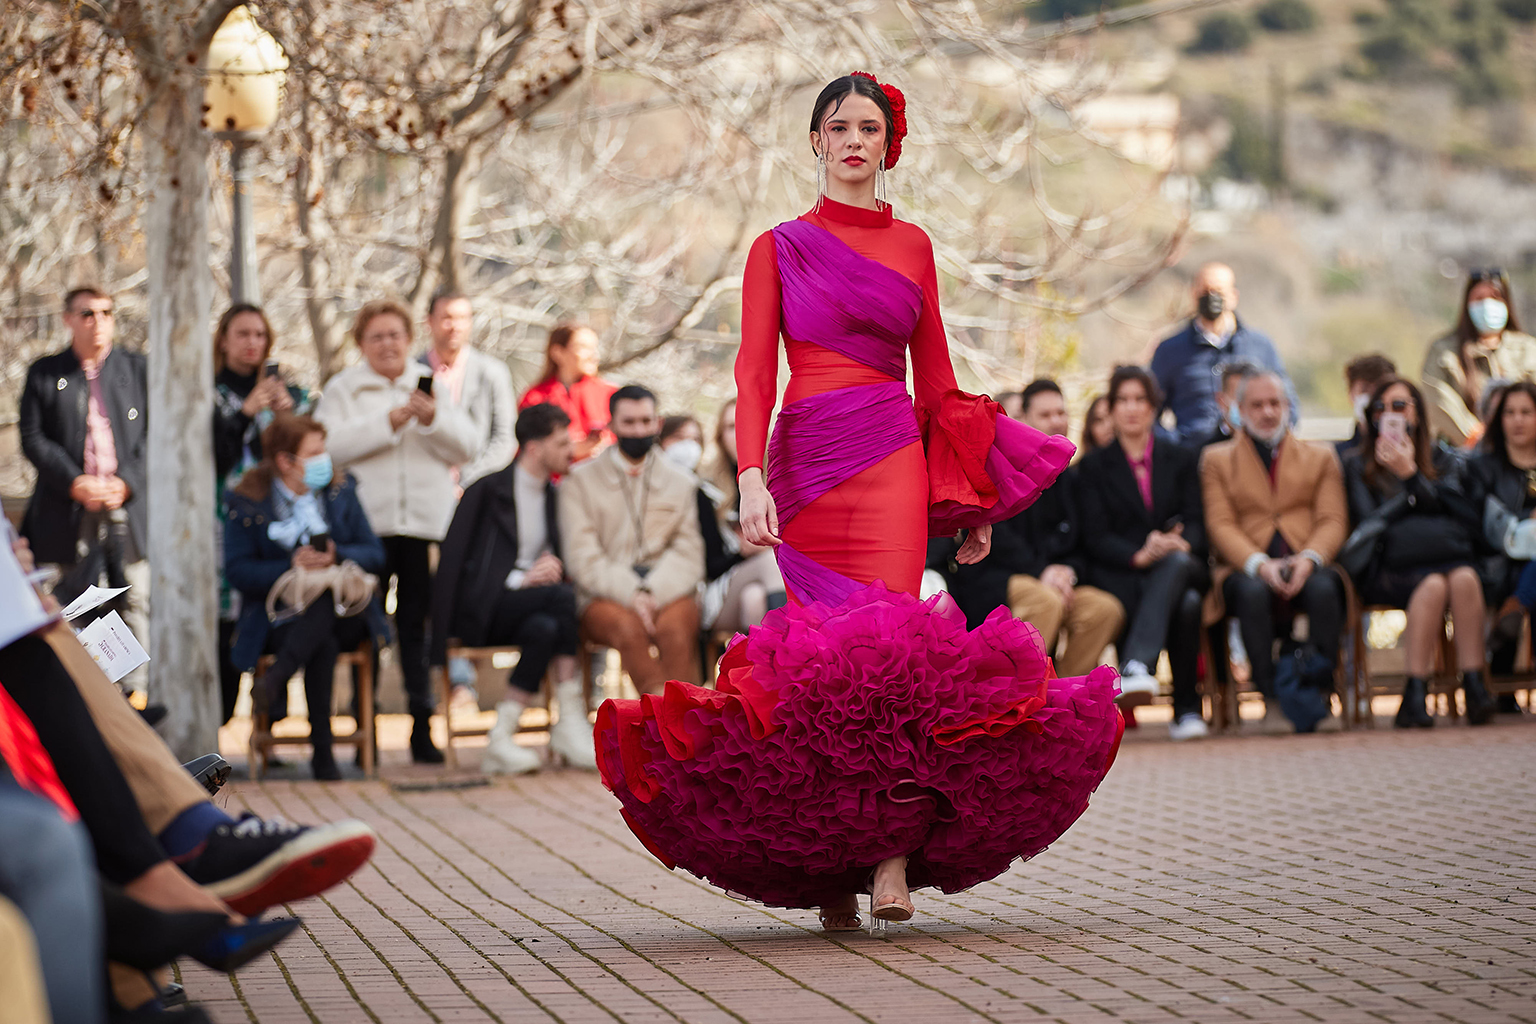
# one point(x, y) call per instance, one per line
point(1223, 32)
point(1287, 16)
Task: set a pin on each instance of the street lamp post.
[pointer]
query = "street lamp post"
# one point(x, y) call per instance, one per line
point(246, 69)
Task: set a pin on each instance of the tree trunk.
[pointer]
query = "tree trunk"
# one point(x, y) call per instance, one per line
point(184, 582)
point(443, 267)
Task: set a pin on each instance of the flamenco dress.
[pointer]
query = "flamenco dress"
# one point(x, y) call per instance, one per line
point(858, 723)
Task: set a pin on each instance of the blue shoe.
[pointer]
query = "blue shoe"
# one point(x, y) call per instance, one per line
point(237, 946)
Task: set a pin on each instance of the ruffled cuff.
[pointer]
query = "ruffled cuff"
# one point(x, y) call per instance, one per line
point(984, 467)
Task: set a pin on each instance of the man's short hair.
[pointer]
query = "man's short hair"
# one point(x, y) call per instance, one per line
point(537, 422)
point(629, 393)
point(85, 289)
point(1247, 381)
point(1040, 387)
point(1124, 375)
point(1371, 368)
point(1237, 369)
point(443, 295)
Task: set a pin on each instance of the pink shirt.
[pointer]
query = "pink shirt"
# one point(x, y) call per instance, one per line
point(1142, 469)
point(100, 446)
point(453, 375)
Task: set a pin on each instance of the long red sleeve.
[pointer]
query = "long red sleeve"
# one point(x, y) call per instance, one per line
point(933, 375)
point(757, 360)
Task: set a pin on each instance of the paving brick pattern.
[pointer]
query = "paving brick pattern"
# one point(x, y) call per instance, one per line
point(1366, 876)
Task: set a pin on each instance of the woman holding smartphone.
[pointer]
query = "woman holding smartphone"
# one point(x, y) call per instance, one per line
point(1424, 562)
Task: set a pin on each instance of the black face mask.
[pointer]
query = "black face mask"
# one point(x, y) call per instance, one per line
point(1212, 305)
point(636, 447)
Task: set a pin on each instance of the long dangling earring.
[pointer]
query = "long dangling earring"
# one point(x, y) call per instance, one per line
point(821, 180)
point(880, 183)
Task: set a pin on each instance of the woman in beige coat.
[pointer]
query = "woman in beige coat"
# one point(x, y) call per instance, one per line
point(401, 446)
point(1487, 345)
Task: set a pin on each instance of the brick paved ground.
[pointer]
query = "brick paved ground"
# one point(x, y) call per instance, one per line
point(1368, 876)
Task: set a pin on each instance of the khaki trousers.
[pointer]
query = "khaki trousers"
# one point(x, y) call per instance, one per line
point(677, 639)
point(1090, 625)
point(21, 975)
point(161, 786)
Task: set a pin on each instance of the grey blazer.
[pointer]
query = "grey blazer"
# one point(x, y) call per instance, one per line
point(489, 401)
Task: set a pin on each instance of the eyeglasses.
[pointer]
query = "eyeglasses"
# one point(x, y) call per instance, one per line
point(1396, 405)
point(1477, 274)
point(92, 314)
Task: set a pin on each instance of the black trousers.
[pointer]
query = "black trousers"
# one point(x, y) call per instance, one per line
point(1166, 613)
point(540, 620)
point(407, 560)
point(311, 642)
point(40, 685)
point(1258, 611)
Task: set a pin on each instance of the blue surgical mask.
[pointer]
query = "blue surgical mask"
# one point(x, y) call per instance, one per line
point(1234, 418)
point(318, 471)
point(1488, 315)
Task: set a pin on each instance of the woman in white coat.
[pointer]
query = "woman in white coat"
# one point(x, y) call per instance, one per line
point(401, 445)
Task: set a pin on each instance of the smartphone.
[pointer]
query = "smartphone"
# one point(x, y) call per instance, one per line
point(424, 384)
point(273, 369)
point(320, 541)
point(1394, 425)
point(1173, 523)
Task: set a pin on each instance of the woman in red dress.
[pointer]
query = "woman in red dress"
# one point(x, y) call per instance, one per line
point(570, 381)
point(858, 738)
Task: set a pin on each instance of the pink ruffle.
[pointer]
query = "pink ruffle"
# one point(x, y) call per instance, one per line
point(840, 736)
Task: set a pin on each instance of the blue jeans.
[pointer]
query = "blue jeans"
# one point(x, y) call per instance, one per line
point(1525, 590)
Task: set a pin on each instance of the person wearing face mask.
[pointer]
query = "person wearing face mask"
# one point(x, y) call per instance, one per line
point(1361, 375)
point(293, 510)
point(1276, 516)
point(1185, 364)
point(1486, 344)
point(629, 519)
point(741, 580)
point(1232, 375)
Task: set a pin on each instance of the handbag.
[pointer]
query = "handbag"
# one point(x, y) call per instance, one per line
point(295, 590)
point(1303, 683)
point(1362, 549)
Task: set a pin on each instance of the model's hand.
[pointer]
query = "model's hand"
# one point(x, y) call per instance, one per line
point(978, 544)
point(759, 516)
point(645, 607)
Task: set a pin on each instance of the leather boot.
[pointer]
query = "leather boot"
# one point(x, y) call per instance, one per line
point(422, 750)
point(1411, 712)
point(1480, 703)
point(503, 755)
point(571, 736)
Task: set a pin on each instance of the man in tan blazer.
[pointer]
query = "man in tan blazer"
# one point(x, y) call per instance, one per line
point(1275, 515)
point(630, 522)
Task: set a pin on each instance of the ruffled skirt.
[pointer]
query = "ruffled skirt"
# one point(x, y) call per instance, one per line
point(841, 736)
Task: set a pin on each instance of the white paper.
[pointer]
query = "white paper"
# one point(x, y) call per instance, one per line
point(94, 597)
point(113, 646)
point(21, 612)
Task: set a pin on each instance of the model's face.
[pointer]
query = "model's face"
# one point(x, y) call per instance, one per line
point(91, 325)
point(1100, 427)
point(1519, 420)
point(852, 140)
point(450, 324)
point(635, 417)
point(1132, 411)
point(1264, 407)
point(385, 345)
point(246, 343)
point(1047, 413)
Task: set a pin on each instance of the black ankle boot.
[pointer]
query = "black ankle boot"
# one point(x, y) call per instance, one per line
point(1411, 713)
point(422, 750)
point(1480, 703)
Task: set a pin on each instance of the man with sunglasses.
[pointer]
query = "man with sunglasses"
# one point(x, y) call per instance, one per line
point(84, 425)
point(1486, 345)
point(1188, 364)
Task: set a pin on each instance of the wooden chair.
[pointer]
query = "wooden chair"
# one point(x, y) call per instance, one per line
point(483, 659)
point(1443, 683)
point(1522, 679)
point(262, 740)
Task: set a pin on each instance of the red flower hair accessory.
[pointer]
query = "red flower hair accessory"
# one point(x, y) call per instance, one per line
point(899, 113)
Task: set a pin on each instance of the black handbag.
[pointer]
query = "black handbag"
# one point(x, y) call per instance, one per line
point(1362, 549)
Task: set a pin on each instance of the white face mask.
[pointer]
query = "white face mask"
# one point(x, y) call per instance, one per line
point(686, 453)
point(1488, 315)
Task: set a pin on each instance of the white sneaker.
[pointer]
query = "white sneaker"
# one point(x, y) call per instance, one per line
point(1189, 726)
point(571, 736)
point(503, 755)
point(1137, 685)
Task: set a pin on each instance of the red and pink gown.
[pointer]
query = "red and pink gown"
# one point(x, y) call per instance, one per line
point(859, 723)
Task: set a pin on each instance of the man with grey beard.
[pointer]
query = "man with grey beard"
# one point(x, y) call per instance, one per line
point(1275, 514)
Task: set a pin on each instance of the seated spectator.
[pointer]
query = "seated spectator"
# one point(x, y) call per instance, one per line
point(290, 511)
point(1501, 482)
point(630, 522)
point(741, 580)
point(569, 380)
point(1232, 375)
point(1361, 375)
point(1423, 559)
point(500, 580)
point(1275, 514)
point(1487, 344)
point(1144, 532)
point(246, 396)
point(1184, 364)
point(1037, 562)
point(401, 444)
point(1012, 403)
point(1098, 428)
